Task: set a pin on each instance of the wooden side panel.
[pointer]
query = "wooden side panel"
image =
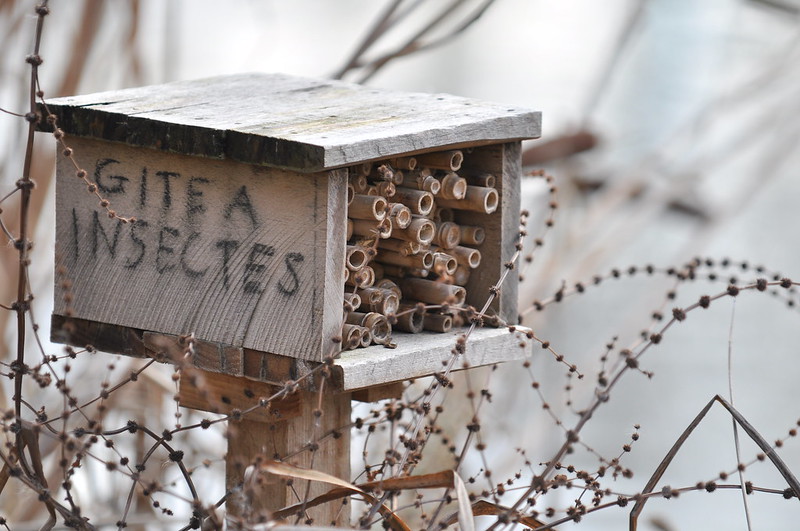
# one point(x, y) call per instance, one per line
point(233, 253)
point(502, 227)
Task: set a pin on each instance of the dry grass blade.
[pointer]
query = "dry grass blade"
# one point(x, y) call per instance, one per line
point(487, 508)
point(466, 520)
point(285, 469)
point(746, 426)
point(346, 489)
point(391, 519)
point(436, 480)
point(765, 446)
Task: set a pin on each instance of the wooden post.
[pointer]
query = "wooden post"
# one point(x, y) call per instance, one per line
point(307, 429)
point(260, 494)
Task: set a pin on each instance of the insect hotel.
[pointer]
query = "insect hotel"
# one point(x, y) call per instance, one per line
point(283, 222)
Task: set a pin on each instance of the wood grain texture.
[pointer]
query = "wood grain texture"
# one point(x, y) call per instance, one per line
point(236, 254)
point(223, 394)
point(501, 228)
point(423, 354)
point(101, 336)
point(379, 392)
point(303, 124)
point(249, 441)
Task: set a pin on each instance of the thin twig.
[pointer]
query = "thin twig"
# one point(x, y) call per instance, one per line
point(733, 421)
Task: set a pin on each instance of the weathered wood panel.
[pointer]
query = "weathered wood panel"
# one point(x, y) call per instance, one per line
point(237, 254)
point(501, 228)
point(303, 124)
point(422, 354)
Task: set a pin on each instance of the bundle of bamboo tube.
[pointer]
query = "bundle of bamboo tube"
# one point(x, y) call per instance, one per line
point(407, 260)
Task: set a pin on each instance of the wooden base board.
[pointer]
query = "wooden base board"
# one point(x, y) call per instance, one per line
point(424, 354)
point(416, 355)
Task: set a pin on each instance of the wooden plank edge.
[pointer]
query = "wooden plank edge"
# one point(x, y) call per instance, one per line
point(101, 336)
point(427, 353)
point(380, 392)
point(231, 395)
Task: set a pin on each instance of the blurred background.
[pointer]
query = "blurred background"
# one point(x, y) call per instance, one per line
point(670, 127)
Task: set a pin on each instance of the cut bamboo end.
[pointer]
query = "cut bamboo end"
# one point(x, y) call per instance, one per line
point(453, 186)
point(400, 214)
point(419, 201)
point(422, 260)
point(427, 183)
point(355, 258)
point(351, 192)
point(371, 228)
point(466, 256)
point(368, 207)
point(358, 182)
point(420, 230)
point(366, 337)
point(351, 302)
point(442, 160)
point(386, 189)
point(389, 304)
point(430, 184)
point(485, 179)
point(405, 163)
point(351, 336)
point(398, 178)
point(432, 292)
point(363, 278)
point(477, 199)
point(438, 322)
point(444, 264)
point(379, 327)
point(472, 235)
point(448, 235)
point(383, 301)
point(409, 319)
point(349, 228)
point(385, 283)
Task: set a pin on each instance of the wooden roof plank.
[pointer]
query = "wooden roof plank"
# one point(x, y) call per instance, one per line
point(291, 122)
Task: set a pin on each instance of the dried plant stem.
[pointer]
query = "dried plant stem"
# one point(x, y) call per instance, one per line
point(25, 185)
point(735, 427)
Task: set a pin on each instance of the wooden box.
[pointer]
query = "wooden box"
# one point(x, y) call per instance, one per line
point(239, 187)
